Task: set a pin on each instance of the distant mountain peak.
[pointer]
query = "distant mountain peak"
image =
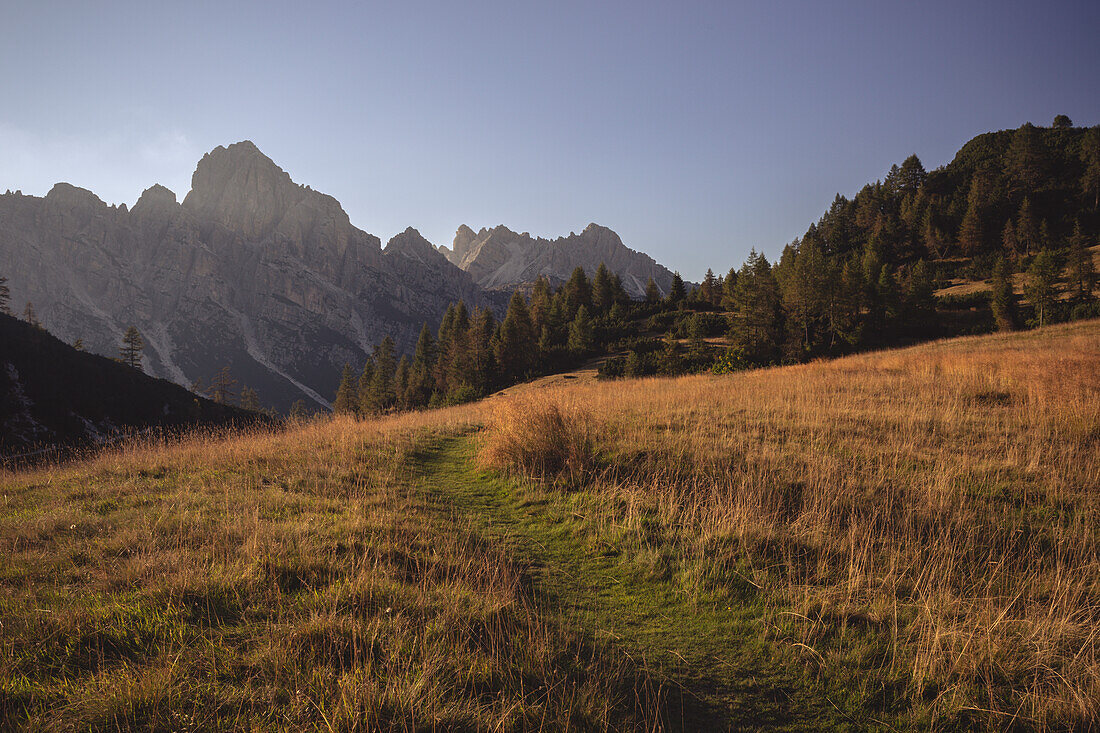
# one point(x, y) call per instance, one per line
point(499, 258)
point(242, 189)
point(67, 194)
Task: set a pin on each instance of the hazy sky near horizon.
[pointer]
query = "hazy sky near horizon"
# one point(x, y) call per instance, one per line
point(696, 130)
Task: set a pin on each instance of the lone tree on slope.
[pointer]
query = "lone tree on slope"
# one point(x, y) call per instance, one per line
point(132, 347)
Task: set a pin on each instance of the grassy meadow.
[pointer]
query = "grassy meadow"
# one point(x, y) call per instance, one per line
point(907, 539)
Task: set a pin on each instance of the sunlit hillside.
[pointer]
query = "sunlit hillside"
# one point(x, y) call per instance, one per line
point(894, 540)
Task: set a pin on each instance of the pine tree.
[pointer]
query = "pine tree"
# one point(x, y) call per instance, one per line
point(516, 348)
point(578, 292)
point(401, 379)
point(676, 291)
point(805, 290)
point(580, 333)
point(1046, 241)
point(757, 326)
point(652, 292)
point(971, 232)
point(1003, 299)
point(480, 353)
point(1090, 156)
point(889, 296)
point(1061, 122)
point(298, 411)
point(920, 297)
point(603, 295)
point(1039, 290)
point(710, 291)
point(30, 316)
point(1026, 159)
point(458, 371)
point(345, 401)
point(250, 400)
point(364, 398)
point(1009, 243)
point(932, 237)
point(619, 296)
point(222, 388)
point(382, 395)
point(1081, 269)
point(635, 365)
point(132, 347)
point(912, 175)
point(418, 392)
point(1027, 231)
point(5, 296)
point(729, 290)
point(541, 297)
point(671, 363)
point(444, 340)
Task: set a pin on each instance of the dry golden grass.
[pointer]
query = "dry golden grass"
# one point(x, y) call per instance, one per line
point(929, 515)
point(284, 580)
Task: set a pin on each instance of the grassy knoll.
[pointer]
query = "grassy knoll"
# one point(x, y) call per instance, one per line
point(901, 540)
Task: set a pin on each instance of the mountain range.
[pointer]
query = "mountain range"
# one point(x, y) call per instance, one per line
point(269, 277)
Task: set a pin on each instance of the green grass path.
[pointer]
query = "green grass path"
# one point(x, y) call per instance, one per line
point(729, 674)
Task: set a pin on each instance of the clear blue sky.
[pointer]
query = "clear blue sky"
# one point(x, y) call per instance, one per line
point(696, 130)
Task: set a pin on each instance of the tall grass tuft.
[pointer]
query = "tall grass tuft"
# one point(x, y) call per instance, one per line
point(548, 439)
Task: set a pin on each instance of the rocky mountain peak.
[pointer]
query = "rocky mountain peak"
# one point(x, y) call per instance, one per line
point(66, 195)
point(412, 244)
point(242, 189)
point(155, 201)
point(461, 245)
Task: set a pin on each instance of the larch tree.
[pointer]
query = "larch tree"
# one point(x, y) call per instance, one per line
point(652, 292)
point(516, 348)
point(677, 293)
point(603, 295)
point(757, 321)
point(1027, 231)
point(382, 395)
point(345, 401)
point(578, 292)
point(1090, 156)
point(1080, 267)
point(364, 400)
point(223, 388)
point(1003, 300)
point(728, 298)
point(580, 333)
point(1026, 160)
point(5, 296)
point(1040, 288)
point(250, 400)
point(971, 231)
point(133, 346)
point(1009, 243)
point(30, 316)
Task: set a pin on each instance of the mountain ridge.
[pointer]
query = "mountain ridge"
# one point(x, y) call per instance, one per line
point(250, 269)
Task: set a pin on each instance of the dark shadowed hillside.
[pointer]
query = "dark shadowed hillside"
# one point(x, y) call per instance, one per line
point(53, 395)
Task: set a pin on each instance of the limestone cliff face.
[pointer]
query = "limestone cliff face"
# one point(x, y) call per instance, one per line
point(499, 258)
point(250, 270)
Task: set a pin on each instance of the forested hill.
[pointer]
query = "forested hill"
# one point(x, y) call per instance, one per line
point(1017, 208)
point(1010, 193)
point(54, 395)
